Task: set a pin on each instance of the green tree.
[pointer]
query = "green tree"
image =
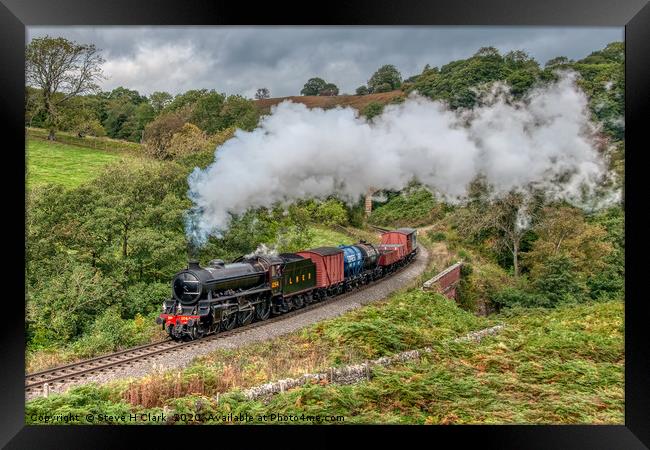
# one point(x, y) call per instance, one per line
point(189, 139)
point(559, 282)
point(78, 115)
point(118, 113)
point(207, 112)
point(159, 101)
point(386, 78)
point(60, 66)
point(129, 202)
point(127, 113)
point(313, 86)
point(602, 77)
point(61, 306)
point(329, 90)
point(135, 124)
point(362, 90)
point(186, 100)
point(34, 113)
point(457, 81)
point(564, 231)
point(238, 112)
point(129, 95)
point(557, 61)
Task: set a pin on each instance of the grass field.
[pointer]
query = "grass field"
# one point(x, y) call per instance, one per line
point(547, 366)
point(68, 165)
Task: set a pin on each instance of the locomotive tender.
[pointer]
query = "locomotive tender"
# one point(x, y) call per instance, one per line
point(221, 296)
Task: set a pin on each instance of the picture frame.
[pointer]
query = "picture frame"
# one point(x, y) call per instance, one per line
point(634, 15)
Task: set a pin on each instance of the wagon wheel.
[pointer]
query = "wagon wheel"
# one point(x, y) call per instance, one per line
point(245, 317)
point(298, 302)
point(263, 310)
point(229, 321)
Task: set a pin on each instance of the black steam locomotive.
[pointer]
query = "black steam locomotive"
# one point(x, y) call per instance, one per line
point(221, 296)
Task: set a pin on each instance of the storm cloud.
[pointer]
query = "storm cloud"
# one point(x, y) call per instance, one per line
point(238, 60)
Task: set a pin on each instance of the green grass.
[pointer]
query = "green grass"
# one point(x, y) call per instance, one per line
point(325, 237)
point(547, 366)
point(68, 165)
point(95, 143)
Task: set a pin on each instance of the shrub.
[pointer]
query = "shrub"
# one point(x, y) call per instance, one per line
point(329, 212)
point(415, 207)
point(145, 298)
point(607, 284)
point(514, 296)
point(436, 236)
point(372, 109)
point(464, 255)
point(60, 307)
point(559, 282)
point(478, 285)
point(111, 332)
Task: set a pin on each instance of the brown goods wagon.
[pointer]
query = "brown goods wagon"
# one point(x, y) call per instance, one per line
point(404, 236)
point(329, 264)
point(390, 253)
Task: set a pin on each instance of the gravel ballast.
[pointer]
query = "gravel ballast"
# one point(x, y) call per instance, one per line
point(183, 357)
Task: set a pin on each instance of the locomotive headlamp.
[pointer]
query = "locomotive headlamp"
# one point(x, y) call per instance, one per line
point(179, 309)
point(163, 307)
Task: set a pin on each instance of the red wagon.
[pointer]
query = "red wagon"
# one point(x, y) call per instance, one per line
point(329, 265)
point(403, 236)
point(390, 253)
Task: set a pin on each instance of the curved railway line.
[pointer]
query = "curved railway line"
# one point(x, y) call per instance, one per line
point(36, 381)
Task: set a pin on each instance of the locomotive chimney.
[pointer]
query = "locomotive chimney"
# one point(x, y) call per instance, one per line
point(193, 264)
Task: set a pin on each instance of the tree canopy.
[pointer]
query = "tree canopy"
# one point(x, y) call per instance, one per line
point(63, 67)
point(313, 86)
point(386, 78)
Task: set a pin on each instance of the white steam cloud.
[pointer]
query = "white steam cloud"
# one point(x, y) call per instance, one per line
point(545, 141)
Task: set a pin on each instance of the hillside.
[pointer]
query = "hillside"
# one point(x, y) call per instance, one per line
point(560, 366)
point(312, 101)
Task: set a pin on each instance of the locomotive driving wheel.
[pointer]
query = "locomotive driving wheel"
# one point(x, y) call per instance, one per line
point(229, 321)
point(263, 310)
point(245, 317)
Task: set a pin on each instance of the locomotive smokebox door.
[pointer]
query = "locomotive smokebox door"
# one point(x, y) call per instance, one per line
point(275, 274)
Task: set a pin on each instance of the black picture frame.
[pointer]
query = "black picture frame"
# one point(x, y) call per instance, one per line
point(634, 15)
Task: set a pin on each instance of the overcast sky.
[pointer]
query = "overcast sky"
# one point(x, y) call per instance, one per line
point(238, 60)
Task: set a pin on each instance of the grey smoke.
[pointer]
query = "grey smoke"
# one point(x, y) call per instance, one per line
point(544, 141)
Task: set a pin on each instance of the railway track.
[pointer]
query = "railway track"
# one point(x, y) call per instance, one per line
point(380, 229)
point(36, 382)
